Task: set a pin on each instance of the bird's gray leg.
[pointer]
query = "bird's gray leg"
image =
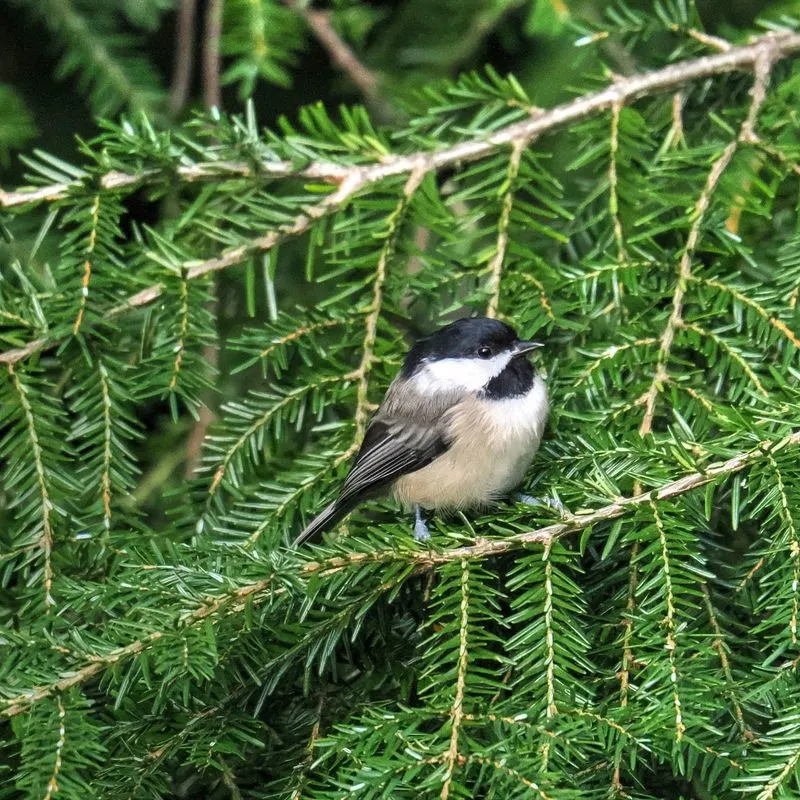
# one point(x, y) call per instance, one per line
point(550, 502)
point(421, 532)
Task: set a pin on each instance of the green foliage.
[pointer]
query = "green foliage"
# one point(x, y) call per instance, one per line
point(209, 314)
point(264, 36)
point(105, 59)
point(16, 124)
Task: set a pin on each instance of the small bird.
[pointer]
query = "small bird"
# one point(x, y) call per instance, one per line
point(457, 428)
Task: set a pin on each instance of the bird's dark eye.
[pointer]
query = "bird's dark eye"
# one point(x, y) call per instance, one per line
point(485, 352)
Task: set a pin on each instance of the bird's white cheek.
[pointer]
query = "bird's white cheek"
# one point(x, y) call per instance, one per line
point(469, 374)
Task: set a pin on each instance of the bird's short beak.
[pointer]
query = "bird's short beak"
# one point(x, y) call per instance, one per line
point(525, 347)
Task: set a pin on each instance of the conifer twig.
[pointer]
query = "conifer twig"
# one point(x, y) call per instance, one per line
point(714, 42)
point(373, 312)
point(794, 545)
point(763, 65)
point(719, 645)
point(549, 640)
point(350, 180)
point(423, 559)
point(457, 710)
point(771, 46)
point(52, 784)
point(46, 505)
point(613, 202)
point(496, 265)
point(669, 601)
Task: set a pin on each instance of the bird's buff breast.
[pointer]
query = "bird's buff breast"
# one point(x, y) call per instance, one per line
point(494, 442)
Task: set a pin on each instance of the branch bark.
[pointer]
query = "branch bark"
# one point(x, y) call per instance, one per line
point(211, 55)
point(424, 560)
point(184, 56)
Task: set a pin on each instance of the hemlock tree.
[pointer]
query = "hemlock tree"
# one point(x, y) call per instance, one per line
point(161, 640)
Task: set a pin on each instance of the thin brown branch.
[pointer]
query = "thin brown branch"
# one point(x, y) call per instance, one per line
point(211, 55)
point(18, 353)
point(613, 203)
point(193, 173)
point(423, 560)
point(184, 56)
point(341, 54)
point(714, 42)
point(87, 266)
point(496, 265)
point(373, 312)
point(486, 548)
point(457, 709)
point(630, 605)
point(768, 792)
point(20, 703)
point(52, 784)
point(742, 298)
point(308, 760)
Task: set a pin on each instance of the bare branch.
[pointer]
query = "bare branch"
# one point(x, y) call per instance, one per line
point(184, 55)
point(211, 56)
point(340, 52)
point(193, 173)
point(773, 46)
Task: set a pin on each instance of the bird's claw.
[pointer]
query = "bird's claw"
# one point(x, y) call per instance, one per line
point(550, 502)
point(421, 531)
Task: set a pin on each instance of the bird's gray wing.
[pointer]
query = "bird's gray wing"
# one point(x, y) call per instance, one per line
point(392, 447)
point(408, 432)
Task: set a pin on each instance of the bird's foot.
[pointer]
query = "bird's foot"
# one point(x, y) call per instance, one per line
point(550, 502)
point(421, 531)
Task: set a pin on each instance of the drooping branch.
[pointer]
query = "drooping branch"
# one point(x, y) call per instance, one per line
point(224, 605)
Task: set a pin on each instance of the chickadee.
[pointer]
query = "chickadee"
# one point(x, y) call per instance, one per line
point(457, 428)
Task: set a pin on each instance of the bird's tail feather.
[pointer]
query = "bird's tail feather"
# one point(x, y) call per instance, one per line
point(324, 521)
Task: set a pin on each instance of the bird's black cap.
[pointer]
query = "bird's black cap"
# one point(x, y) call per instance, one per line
point(460, 339)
